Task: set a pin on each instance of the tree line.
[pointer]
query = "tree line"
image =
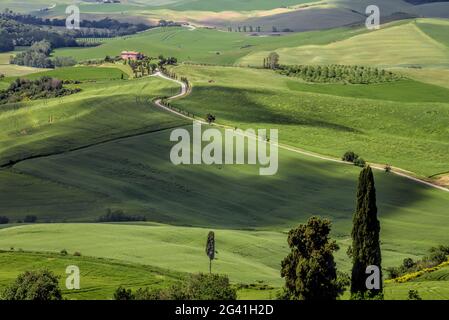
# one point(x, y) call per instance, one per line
point(44, 87)
point(339, 74)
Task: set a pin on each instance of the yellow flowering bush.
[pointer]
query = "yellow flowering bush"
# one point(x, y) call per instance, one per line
point(410, 276)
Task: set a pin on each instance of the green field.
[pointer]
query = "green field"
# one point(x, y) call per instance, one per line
point(203, 45)
point(330, 118)
point(11, 70)
point(99, 278)
point(82, 73)
point(102, 111)
point(69, 160)
point(379, 47)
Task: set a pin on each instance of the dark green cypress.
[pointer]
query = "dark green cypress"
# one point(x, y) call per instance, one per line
point(365, 236)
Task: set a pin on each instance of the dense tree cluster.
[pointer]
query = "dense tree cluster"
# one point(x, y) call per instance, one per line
point(39, 285)
point(104, 28)
point(119, 216)
point(19, 34)
point(36, 56)
point(197, 287)
point(24, 89)
point(339, 74)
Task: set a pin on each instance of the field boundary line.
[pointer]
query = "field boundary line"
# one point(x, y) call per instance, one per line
point(395, 170)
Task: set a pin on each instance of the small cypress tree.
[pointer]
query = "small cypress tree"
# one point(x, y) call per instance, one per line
point(210, 248)
point(365, 249)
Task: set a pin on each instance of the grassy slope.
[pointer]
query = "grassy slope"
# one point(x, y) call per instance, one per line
point(379, 47)
point(135, 175)
point(431, 286)
point(82, 119)
point(98, 277)
point(82, 73)
point(309, 117)
point(10, 70)
point(202, 45)
point(232, 5)
point(246, 256)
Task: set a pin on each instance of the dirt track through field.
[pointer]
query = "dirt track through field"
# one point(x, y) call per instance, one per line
point(397, 171)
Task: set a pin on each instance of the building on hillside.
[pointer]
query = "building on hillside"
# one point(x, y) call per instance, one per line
point(132, 55)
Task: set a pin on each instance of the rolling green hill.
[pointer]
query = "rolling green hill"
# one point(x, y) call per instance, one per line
point(99, 277)
point(203, 45)
point(380, 47)
point(385, 123)
point(102, 111)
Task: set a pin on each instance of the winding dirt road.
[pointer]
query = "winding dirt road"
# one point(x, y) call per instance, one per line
point(394, 170)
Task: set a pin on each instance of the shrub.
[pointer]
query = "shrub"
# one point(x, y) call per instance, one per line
point(210, 118)
point(4, 220)
point(34, 285)
point(63, 252)
point(77, 254)
point(123, 294)
point(197, 287)
point(359, 162)
point(414, 295)
point(64, 62)
point(30, 219)
point(119, 216)
point(349, 156)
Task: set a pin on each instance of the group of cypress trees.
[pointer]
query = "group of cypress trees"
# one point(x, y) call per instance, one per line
point(310, 271)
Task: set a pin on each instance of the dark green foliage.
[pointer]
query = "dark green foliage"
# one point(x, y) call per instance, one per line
point(4, 220)
point(123, 294)
point(210, 118)
point(197, 287)
point(365, 235)
point(34, 285)
point(119, 216)
point(64, 252)
point(210, 248)
point(339, 74)
point(30, 219)
point(309, 270)
point(359, 162)
point(413, 295)
point(6, 43)
point(24, 89)
point(25, 35)
point(25, 29)
point(36, 56)
point(349, 156)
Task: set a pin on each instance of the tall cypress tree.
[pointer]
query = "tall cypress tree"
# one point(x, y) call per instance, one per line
point(365, 236)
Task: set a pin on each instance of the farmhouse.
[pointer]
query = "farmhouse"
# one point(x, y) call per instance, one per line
point(132, 55)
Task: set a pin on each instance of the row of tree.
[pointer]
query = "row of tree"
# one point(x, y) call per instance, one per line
point(257, 29)
point(339, 74)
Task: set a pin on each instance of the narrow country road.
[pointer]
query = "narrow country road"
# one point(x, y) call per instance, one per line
point(394, 170)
